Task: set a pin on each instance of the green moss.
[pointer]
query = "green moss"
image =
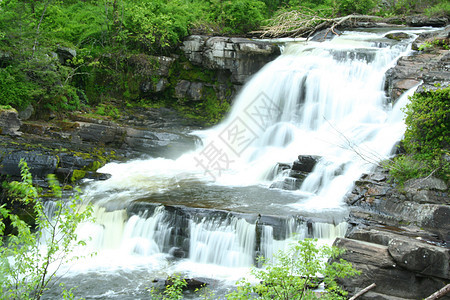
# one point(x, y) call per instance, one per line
point(77, 175)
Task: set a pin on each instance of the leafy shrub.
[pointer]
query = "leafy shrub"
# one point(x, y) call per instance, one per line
point(428, 122)
point(157, 25)
point(239, 16)
point(294, 271)
point(442, 8)
point(24, 264)
point(15, 90)
point(427, 137)
point(347, 7)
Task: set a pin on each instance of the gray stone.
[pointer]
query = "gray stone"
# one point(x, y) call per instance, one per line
point(422, 21)
point(398, 36)
point(9, 122)
point(377, 266)
point(242, 57)
point(40, 164)
point(26, 113)
point(103, 134)
point(65, 54)
point(163, 65)
point(365, 253)
point(182, 88)
point(305, 163)
point(430, 68)
point(428, 183)
point(420, 257)
point(159, 143)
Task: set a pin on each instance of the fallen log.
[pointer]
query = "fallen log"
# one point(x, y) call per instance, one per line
point(442, 292)
point(363, 291)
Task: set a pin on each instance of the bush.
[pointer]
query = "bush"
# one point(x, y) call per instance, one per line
point(347, 7)
point(25, 256)
point(427, 137)
point(428, 123)
point(239, 16)
point(293, 272)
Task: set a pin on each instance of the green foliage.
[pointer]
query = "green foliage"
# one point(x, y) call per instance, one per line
point(294, 271)
point(428, 122)
point(239, 16)
point(405, 167)
point(172, 291)
point(15, 90)
point(26, 257)
point(427, 137)
point(436, 43)
point(347, 7)
point(442, 8)
point(157, 25)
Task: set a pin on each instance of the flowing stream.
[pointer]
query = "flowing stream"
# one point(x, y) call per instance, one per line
point(210, 212)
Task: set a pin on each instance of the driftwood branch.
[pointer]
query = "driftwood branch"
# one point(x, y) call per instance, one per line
point(304, 23)
point(445, 290)
point(363, 291)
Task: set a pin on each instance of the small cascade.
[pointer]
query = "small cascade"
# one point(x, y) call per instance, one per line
point(229, 242)
point(203, 237)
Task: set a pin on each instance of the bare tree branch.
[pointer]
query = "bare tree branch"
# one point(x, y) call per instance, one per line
point(363, 291)
point(304, 23)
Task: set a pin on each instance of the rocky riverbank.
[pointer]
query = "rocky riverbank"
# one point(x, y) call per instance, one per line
point(400, 235)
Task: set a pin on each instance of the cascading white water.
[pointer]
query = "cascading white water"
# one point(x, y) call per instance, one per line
point(324, 99)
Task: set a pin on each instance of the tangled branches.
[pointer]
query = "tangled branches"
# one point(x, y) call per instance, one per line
point(304, 23)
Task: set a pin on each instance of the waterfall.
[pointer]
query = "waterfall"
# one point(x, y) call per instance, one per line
point(214, 210)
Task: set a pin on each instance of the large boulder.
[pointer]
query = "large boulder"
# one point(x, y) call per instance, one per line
point(378, 266)
point(9, 122)
point(242, 57)
point(419, 257)
point(40, 163)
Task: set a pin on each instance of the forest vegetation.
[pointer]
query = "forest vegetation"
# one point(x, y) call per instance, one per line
point(105, 32)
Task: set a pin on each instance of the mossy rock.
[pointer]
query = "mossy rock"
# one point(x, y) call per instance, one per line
point(77, 175)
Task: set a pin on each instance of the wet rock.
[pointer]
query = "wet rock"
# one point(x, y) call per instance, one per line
point(67, 160)
point(177, 252)
point(39, 163)
point(158, 143)
point(305, 163)
point(427, 190)
point(105, 134)
point(430, 68)
point(398, 36)
point(9, 122)
point(150, 87)
point(419, 257)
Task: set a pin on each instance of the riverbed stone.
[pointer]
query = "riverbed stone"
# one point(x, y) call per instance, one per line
point(305, 163)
